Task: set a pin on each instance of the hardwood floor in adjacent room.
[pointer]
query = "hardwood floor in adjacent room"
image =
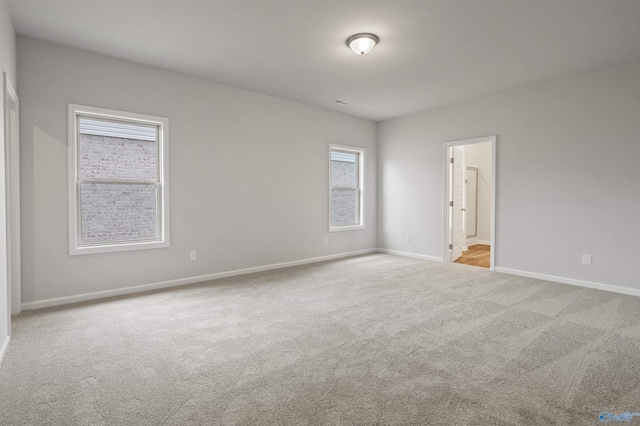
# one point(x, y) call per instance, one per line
point(477, 255)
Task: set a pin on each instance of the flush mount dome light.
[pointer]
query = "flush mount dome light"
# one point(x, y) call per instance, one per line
point(362, 43)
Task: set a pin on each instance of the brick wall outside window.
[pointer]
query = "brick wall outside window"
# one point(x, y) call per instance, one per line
point(117, 211)
point(344, 201)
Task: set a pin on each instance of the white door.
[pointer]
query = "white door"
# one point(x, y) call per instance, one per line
point(457, 236)
point(472, 202)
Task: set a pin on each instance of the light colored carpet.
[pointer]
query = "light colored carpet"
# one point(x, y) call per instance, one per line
point(376, 339)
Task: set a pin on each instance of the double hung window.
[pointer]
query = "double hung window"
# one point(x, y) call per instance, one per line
point(346, 188)
point(118, 197)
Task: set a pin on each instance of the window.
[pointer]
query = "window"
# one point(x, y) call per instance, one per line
point(346, 188)
point(118, 195)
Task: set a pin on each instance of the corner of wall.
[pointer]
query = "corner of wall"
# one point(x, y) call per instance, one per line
point(378, 186)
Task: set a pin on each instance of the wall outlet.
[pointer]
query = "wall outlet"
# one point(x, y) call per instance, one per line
point(193, 255)
point(586, 259)
point(326, 240)
point(407, 238)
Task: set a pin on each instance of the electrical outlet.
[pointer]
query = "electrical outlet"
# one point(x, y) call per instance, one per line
point(586, 259)
point(326, 240)
point(407, 238)
point(193, 255)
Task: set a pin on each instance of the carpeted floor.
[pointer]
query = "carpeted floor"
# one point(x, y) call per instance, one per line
point(376, 339)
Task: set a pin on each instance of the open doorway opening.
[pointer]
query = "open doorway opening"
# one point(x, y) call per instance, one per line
point(12, 196)
point(470, 166)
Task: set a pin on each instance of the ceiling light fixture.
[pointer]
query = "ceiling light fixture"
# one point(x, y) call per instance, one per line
point(362, 43)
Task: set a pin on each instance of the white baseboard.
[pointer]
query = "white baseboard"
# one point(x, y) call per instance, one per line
point(38, 304)
point(47, 303)
point(5, 346)
point(408, 254)
point(571, 281)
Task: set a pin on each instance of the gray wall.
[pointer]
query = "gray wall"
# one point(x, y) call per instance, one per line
point(567, 159)
point(7, 43)
point(8, 65)
point(248, 173)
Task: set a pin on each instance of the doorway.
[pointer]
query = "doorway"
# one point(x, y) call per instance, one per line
point(12, 196)
point(469, 208)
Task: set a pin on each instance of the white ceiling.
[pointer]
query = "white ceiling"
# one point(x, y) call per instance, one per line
point(431, 52)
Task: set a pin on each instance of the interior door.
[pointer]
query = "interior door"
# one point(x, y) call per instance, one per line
point(472, 202)
point(457, 239)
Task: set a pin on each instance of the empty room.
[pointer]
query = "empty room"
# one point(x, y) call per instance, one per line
point(343, 212)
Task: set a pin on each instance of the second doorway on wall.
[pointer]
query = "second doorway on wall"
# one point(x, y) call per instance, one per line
point(470, 202)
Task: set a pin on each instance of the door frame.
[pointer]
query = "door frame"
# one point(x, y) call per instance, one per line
point(451, 237)
point(12, 196)
point(492, 232)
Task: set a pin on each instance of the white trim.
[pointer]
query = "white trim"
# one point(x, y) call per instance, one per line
point(162, 124)
point(345, 228)
point(361, 186)
point(571, 281)
point(46, 303)
point(492, 233)
point(4, 348)
point(408, 254)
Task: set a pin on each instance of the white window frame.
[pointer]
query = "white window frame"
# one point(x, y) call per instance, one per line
point(361, 184)
point(75, 246)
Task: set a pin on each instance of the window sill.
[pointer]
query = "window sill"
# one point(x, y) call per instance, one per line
point(111, 248)
point(345, 228)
